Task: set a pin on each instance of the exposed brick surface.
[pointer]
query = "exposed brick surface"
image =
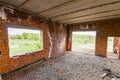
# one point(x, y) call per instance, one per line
point(116, 45)
point(57, 39)
point(54, 40)
point(69, 39)
point(115, 42)
point(104, 29)
point(101, 45)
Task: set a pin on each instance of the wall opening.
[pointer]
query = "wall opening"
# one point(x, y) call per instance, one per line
point(113, 47)
point(22, 41)
point(84, 41)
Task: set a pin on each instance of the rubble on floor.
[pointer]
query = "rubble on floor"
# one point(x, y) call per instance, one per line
point(71, 66)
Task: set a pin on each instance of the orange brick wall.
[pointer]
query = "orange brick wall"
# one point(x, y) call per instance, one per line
point(69, 39)
point(115, 42)
point(54, 39)
point(101, 45)
point(104, 29)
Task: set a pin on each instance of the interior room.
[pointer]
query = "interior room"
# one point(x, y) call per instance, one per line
point(59, 39)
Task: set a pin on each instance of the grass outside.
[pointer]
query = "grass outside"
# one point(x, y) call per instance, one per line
point(23, 46)
point(88, 42)
point(110, 44)
point(83, 41)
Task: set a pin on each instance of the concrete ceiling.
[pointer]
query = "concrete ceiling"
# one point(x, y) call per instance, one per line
point(70, 11)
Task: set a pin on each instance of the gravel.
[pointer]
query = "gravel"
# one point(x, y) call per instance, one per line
point(71, 66)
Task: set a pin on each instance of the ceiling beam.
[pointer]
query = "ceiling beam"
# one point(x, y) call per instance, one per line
point(84, 9)
point(68, 2)
point(89, 15)
point(20, 9)
point(96, 19)
point(93, 16)
point(88, 12)
point(24, 3)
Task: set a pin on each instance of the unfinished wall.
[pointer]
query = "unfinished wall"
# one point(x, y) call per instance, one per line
point(54, 39)
point(57, 35)
point(101, 45)
point(69, 39)
point(115, 43)
point(104, 29)
point(116, 46)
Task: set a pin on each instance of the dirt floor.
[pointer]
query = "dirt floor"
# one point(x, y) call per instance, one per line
point(71, 66)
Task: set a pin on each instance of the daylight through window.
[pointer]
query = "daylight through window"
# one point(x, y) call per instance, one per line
point(23, 41)
point(84, 41)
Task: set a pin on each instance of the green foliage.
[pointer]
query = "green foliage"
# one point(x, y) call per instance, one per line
point(83, 41)
point(38, 45)
point(110, 44)
point(28, 36)
point(26, 42)
point(88, 42)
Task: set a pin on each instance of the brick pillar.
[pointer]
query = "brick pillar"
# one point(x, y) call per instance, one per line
point(69, 39)
point(4, 48)
point(119, 55)
point(101, 45)
point(115, 43)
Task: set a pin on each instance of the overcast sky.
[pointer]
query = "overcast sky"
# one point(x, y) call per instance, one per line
point(13, 31)
point(93, 33)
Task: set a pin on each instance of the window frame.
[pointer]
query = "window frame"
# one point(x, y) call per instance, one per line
point(19, 27)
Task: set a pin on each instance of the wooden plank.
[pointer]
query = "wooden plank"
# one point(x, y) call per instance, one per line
point(96, 19)
point(59, 5)
point(14, 2)
point(20, 9)
point(94, 16)
point(43, 5)
point(24, 3)
point(95, 10)
point(81, 5)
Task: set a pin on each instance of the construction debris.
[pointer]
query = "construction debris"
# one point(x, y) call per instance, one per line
point(110, 74)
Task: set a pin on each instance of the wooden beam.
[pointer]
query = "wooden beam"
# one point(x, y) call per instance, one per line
point(96, 19)
point(88, 15)
point(56, 6)
point(24, 3)
point(94, 16)
point(96, 10)
point(20, 9)
point(84, 9)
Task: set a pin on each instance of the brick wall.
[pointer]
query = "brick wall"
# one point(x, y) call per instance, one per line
point(115, 43)
point(69, 39)
point(54, 39)
point(101, 45)
point(104, 29)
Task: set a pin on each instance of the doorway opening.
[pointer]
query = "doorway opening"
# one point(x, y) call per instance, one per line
point(113, 47)
point(84, 42)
